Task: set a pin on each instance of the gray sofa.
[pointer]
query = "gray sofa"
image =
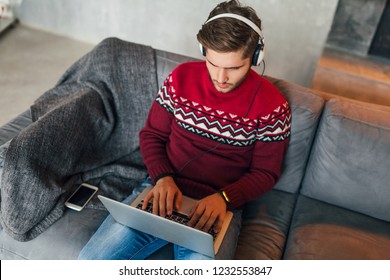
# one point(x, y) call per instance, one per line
point(332, 201)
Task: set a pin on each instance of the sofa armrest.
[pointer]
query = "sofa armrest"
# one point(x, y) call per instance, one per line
point(13, 127)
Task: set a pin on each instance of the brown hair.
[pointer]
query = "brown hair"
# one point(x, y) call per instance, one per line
point(229, 34)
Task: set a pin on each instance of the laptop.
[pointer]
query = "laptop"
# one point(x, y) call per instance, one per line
point(172, 229)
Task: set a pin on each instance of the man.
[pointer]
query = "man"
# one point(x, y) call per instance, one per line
point(217, 131)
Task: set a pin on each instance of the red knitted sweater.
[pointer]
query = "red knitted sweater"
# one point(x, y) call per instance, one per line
point(209, 140)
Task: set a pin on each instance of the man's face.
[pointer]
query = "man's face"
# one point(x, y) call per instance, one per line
point(227, 70)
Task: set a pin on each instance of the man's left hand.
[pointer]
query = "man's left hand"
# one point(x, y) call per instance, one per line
point(207, 212)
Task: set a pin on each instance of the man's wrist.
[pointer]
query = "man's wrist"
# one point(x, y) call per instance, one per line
point(162, 176)
point(224, 197)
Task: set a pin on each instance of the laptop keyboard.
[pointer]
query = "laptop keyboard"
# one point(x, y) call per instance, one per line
point(176, 217)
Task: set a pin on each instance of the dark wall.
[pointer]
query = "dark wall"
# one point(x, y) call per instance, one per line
point(355, 25)
point(381, 44)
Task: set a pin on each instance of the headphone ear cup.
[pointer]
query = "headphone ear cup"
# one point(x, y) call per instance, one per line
point(258, 55)
point(202, 49)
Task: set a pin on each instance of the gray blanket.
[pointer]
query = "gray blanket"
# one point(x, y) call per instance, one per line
point(84, 129)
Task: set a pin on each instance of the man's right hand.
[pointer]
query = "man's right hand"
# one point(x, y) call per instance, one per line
point(166, 197)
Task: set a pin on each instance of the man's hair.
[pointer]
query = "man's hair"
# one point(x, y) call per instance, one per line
point(229, 34)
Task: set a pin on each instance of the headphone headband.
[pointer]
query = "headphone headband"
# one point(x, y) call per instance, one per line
point(241, 18)
point(258, 55)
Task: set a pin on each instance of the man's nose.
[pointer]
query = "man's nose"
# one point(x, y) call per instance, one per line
point(222, 76)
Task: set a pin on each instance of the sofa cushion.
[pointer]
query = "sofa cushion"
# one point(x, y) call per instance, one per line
point(166, 62)
point(323, 231)
point(63, 240)
point(349, 166)
point(265, 224)
point(306, 108)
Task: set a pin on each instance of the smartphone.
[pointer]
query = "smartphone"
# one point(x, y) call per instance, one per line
point(80, 198)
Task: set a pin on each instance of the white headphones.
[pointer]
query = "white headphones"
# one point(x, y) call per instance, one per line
point(258, 55)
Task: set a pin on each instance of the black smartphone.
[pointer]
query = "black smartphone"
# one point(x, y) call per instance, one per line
point(80, 198)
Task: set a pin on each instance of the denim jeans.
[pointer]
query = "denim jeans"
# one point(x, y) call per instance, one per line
point(113, 241)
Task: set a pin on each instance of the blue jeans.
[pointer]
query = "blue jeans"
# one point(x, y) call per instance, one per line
point(113, 241)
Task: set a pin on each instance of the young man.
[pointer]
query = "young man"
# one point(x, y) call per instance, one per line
point(217, 131)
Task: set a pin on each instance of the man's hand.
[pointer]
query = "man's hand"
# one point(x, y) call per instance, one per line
point(166, 197)
point(208, 211)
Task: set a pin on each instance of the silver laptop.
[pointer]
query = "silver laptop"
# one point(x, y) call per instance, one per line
point(171, 229)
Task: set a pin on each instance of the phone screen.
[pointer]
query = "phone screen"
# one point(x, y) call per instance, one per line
point(81, 196)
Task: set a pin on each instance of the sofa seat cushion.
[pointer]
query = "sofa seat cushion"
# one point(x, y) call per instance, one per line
point(322, 231)
point(265, 226)
point(63, 240)
point(349, 164)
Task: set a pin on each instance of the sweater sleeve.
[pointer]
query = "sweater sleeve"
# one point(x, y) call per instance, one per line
point(155, 134)
point(267, 159)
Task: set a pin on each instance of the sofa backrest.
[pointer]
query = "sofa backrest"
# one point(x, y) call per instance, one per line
point(306, 108)
point(166, 62)
point(350, 161)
